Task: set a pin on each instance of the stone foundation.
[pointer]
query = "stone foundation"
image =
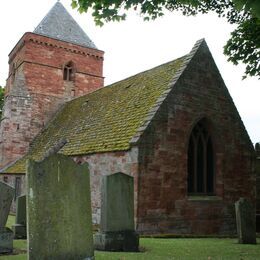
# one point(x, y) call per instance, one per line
point(6, 240)
point(126, 241)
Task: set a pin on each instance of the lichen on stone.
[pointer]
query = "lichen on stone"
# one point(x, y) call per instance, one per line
point(104, 120)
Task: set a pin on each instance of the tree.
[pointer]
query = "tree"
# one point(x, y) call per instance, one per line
point(1, 100)
point(252, 6)
point(243, 46)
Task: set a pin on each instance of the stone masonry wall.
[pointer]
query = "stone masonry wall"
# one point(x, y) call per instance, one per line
point(105, 164)
point(99, 165)
point(36, 90)
point(163, 202)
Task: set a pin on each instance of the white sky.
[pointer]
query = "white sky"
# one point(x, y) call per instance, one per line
point(134, 46)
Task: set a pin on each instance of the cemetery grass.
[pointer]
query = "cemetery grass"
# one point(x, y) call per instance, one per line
point(10, 221)
point(178, 248)
point(167, 249)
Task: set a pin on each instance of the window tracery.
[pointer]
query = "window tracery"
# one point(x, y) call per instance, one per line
point(200, 160)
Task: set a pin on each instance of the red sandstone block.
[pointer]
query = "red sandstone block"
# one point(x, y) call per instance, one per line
point(43, 60)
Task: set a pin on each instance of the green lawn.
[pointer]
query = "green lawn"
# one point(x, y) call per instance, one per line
point(10, 221)
point(174, 248)
point(178, 248)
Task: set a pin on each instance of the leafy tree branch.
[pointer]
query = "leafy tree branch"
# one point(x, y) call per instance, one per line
point(243, 46)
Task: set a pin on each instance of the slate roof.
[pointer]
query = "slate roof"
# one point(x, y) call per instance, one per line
point(110, 119)
point(59, 24)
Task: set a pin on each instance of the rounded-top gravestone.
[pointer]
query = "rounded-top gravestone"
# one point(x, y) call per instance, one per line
point(117, 230)
point(245, 217)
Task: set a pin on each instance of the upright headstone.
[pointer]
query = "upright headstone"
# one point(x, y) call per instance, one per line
point(117, 231)
point(59, 223)
point(19, 228)
point(245, 217)
point(257, 149)
point(6, 235)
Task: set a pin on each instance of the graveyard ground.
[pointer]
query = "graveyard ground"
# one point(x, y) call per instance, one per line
point(166, 249)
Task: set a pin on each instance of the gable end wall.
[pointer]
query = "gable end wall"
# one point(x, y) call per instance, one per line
point(163, 203)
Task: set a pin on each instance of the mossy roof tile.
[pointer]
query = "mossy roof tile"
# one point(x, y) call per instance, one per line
point(104, 120)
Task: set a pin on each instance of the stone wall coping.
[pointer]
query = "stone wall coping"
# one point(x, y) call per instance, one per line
point(151, 114)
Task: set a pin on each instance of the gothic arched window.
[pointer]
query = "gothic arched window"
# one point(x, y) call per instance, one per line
point(200, 160)
point(68, 72)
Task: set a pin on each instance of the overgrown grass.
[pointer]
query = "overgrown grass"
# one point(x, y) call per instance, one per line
point(172, 249)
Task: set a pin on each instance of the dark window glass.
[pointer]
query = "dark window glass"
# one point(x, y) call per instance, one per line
point(200, 161)
point(210, 168)
point(190, 166)
point(68, 72)
point(200, 166)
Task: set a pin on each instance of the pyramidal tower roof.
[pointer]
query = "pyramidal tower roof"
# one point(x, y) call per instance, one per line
point(59, 24)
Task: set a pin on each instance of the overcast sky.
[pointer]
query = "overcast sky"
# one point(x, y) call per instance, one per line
point(134, 46)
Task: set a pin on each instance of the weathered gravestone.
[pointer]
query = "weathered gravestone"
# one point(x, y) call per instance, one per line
point(59, 210)
point(6, 235)
point(245, 217)
point(257, 148)
point(19, 228)
point(117, 231)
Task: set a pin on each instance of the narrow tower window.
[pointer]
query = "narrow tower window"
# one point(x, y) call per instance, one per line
point(68, 72)
point(200, 161)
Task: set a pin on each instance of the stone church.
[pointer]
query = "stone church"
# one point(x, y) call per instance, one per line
point(174, 128)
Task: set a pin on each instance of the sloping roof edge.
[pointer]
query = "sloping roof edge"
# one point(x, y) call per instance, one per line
point(3, 169)
point(161, 99)
point(151, 113)
point(59, 24)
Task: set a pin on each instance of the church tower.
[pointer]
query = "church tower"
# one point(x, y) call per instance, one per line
point(54, 64)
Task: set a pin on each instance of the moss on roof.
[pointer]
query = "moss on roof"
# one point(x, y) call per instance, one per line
point(104, 120)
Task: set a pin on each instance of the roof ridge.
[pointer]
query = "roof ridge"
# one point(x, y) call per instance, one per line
point(160, 100)
point(122, 80)
point(46, 16)
point(117, 115)
point(145, 71)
